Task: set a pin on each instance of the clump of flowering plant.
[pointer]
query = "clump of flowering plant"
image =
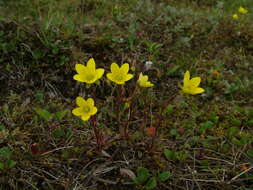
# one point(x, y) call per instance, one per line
point(125, 99)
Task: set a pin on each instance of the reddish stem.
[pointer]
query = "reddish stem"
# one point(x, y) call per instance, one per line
point(96, 132)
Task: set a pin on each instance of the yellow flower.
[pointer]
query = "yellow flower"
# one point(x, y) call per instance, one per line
point(88, 74)
point(235, 16)
point(191, 85)
point(143, 81)
point(86, 108)
point(119, 75)
point(242, 10)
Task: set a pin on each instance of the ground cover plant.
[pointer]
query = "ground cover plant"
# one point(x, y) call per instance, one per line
point(126, 94)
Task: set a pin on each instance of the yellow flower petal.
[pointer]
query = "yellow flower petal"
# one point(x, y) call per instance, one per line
point(149, 84)
point(79, 78)
point(186, 78)
point(242, 10)
point(195, 82)
point(100, 73)
point(198, 91)
point(109, 76)
point(90, 102)
point(91, 64)
point(113, 78)
point(235, 16)
point(125, 68)
point(114, 67)
point(81, 69)
point(145, 78)
point(80, 101)
point(94, 111)
point(85, 117)
point(128, 77)
point(77, 111)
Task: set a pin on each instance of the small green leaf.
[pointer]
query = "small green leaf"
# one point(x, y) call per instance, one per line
point(174, 132)
point(206, 125)
point(236, 142)
point(236, 122)
point(249, 112)
point(43, 113)
point(182, 155)
point(68, 133)
point(232, 131)
point(250, 153)
point(5, 152)
point(151, 184)
point(58, 133)
point(164, 176)
point(2, 127)
point(169, 155)
point(250, 122)
point(60, 114)
point(172, 70)
point(169, 109)
point(39, 96)
point(1, 165)
point(142, 175)
point(10, 163)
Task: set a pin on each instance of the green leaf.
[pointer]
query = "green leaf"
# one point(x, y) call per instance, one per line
point(68, 133)
point(232, 131)
point(44, 113)
point(60, 114)
point(250, 122)
point(10, 163)
point(142, 175)
point(206, 125)
point(172, 70)
point(2, 127)
point(169, 109)
point(236, 122)
point(5, 152)
point(182, 155)
point(169, 155)
point(236, 142)
point(58, 133)
point(1, 165)
point(40, 97)
point(174, 132)
point(164, 176)
point(250, 153)
point(151, 184)
point(249, 112)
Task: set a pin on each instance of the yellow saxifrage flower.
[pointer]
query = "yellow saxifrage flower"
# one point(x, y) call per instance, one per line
point(191, 85)
point(143, 81)
point(235, 16)
point(242, 10)
point(119, 75)
point(88, 74)
point(86, 108)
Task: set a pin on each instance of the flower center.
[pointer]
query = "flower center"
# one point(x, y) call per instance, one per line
point(86, 109)
point(90, 76)
point(119, 77)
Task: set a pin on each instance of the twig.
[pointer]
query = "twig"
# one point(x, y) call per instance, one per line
point(51, 151)
point(234, 178)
